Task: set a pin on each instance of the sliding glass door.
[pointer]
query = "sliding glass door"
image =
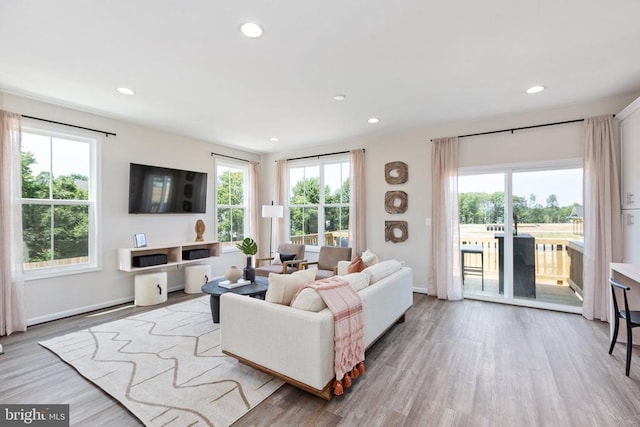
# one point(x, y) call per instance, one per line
point(521, 236)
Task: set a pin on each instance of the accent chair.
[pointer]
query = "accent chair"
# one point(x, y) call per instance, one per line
point(328, 259)
point(286, 267)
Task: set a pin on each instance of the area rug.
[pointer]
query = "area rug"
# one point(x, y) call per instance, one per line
point(166, 366)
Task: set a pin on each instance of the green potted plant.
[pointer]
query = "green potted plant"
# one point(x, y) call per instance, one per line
point(249, 247)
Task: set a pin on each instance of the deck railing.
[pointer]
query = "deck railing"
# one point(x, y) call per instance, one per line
point(552, 259)
point(333, 238)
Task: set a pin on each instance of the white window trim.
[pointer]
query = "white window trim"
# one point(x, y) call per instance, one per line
point(94, 202)
point(245, 170)
point(320, 162)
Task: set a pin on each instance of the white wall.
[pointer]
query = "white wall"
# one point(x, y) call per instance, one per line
point(58, 297)
point(62, 296)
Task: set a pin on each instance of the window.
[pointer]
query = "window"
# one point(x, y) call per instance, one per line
point(542, 206)
point(317, 217)
point(232, 183)
point(59, 202)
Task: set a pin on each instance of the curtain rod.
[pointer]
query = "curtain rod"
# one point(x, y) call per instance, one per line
point(523, 128)
point(319, 155)
point(73, 126)
point(230, 157)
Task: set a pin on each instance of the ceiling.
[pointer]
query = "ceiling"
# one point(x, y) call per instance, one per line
point(410, 63)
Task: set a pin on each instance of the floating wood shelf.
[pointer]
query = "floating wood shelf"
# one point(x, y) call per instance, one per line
point(173, 253)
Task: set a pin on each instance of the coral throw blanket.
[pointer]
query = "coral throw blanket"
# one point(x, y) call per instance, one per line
point(346, 307)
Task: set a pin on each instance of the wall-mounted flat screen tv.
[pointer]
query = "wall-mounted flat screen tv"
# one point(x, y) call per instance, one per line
point(154, 189)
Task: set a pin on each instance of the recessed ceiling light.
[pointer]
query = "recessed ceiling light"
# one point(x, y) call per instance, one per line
point(274, 139)
point(339, 97)
point(373, 120)
point(535, 89)
point(251, 30)
point(126, 91)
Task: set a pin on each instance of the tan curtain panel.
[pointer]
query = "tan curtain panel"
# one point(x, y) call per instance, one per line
point(602, 216)
point(357, 203)
point(281, 224)
point(12, 302)
point(254, 207)
point(446, 280)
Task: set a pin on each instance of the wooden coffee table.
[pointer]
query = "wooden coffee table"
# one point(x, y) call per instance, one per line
point(257, 289)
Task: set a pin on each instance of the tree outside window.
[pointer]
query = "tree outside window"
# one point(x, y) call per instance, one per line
point(57, 201)
point(231, 187)
point(319, 217)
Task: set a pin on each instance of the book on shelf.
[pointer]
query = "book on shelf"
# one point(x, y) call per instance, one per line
point(228, 285)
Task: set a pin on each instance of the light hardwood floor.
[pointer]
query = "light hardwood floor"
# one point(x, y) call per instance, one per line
point(466, 363)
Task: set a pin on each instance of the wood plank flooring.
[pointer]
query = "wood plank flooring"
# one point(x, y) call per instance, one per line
point(466, 363)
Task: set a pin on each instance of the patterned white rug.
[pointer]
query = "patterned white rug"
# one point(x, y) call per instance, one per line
point(166, 366)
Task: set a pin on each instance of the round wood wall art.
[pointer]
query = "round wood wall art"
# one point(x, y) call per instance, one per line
point(396, 173)
point(396, 231)
point(396, 202)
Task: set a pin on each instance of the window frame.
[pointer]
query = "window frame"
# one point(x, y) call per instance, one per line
point(93, 201)
point(236, 164)
point(320, 162)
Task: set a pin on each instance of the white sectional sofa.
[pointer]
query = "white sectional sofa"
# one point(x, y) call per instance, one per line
point(296, 344)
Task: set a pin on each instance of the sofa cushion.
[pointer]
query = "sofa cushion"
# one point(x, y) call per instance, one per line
point(358, 281)
point(282, 287)
point(382, 269)
point(309, 299)
point(369, 258)
point(356, 266)
point(276, 259)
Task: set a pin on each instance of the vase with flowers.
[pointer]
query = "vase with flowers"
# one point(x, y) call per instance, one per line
point(249, 247)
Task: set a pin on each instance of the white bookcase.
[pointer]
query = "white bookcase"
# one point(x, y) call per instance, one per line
point(173, 253)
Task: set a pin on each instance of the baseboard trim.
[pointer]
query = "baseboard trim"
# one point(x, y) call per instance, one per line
point(88, 308)
point(420, 290)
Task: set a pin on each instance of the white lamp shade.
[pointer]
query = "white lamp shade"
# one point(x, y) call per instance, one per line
point(272, 211)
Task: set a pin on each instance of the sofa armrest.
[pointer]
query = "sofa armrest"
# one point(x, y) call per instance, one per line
point(384, 302)
point(295, 343)
point(305, 265)
point(259, 260)
point(292, 263)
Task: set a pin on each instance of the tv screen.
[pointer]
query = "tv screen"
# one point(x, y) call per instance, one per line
point(154, 189)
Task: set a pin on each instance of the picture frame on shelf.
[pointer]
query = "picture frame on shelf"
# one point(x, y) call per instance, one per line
point(140, 240)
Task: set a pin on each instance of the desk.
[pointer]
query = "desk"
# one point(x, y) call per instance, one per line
point(626, 274)
point(467, 269)
point(254, 289)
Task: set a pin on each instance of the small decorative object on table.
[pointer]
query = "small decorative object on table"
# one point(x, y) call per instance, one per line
point(249, 247)
point(228, 285)
point(140, 240)
point(232, 274)
point(199, 230)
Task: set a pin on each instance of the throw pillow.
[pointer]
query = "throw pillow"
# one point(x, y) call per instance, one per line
point(310, 300)
point(287, 257)
point(358, 281)
point(382, 269)
point(282, 287)
point(369, 258)
point(276, 259)
point(356, 266)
